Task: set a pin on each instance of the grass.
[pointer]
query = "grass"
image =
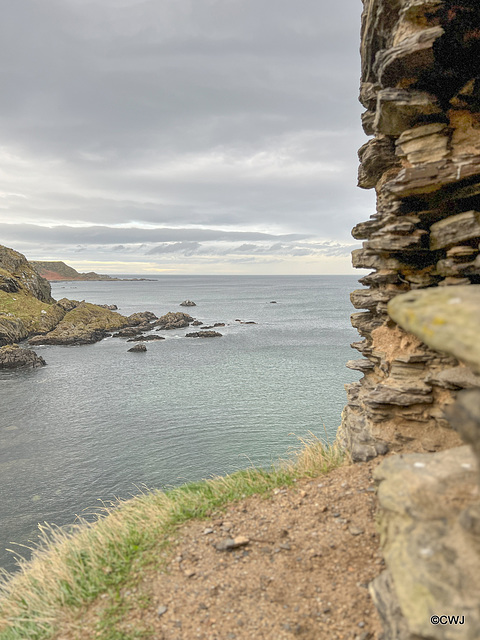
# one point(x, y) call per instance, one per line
point(70, 570)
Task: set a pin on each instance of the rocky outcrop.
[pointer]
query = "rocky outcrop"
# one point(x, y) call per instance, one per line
point(418, 315)
point(16, 274)
point(188, 303)
point(138, 348)
point(421, 90)
point(85, 324)
point(204, 334)
point(13, 357)
point(174, 320)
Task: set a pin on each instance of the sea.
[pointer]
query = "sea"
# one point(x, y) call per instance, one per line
point(99, 423)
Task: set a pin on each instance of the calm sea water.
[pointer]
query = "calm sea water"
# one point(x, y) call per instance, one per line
point(99, 423)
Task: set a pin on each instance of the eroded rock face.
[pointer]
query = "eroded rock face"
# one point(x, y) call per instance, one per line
point(21, 275)
point(13, 357)
point(420, 328)
point(421, 87)
point(84, 324)
point(174, 320)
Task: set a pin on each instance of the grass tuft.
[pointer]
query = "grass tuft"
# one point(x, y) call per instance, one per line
point(70, 569)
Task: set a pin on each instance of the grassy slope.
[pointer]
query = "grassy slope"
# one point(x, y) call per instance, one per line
point(88, 316)
point(57, 270)
point(72, 570)
point(24, 306)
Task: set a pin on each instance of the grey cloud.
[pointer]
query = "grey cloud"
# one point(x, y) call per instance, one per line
point(113, 235)
point(239, 114)
point(185, 248)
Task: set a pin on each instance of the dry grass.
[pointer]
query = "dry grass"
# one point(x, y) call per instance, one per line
point(69, 570)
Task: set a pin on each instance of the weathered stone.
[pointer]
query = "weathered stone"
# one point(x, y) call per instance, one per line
point(13, 357)
point(204, 334)
point(408, 58)
point(432, 177)
point(451, 281)
point(138, 348)
point(424, 143)
point(368, 120)
point(404, 395)
point(464, 416)
point(395, 242)
point(454, 378)
point(445, 318)
point(432, 561)
point(364, 230)
point(406, 371)
point(462, 253)
point(369, 298)
point(376, 157)
point(455, 230)
point(399, 109)
point(188, 303)
point(368, 95)
point(378, 278)
point(360, 365)
point(368, 259)
point(449, 268)
point(382, 591)
point(365, 322)
point(174, 320)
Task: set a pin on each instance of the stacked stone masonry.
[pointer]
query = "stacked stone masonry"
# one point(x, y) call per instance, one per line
point(420, 87)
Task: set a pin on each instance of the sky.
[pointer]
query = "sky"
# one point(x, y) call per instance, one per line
point(181, 136)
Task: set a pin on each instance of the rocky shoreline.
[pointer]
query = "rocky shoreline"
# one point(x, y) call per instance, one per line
point(29, 313)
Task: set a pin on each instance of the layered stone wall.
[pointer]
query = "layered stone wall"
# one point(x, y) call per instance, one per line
point(420, 87)
point(419, 315)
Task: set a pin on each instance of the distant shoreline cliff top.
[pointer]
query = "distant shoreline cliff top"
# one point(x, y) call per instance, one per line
point(56, 270)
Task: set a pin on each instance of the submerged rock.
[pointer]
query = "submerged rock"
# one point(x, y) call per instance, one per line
point(203, 334)
point(138, 348)
point(12, 356)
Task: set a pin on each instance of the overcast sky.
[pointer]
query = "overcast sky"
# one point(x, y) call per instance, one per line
point(181, 136)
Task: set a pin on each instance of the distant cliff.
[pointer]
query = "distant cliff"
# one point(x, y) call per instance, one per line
point(27, 308)
point(57, 270)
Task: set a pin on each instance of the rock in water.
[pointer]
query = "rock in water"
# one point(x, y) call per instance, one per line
point(204, 334)
point(174, 320)
point(12, 356)
point(188, 303)
point(138, 348)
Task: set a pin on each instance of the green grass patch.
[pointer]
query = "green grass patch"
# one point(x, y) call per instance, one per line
point(70, 570)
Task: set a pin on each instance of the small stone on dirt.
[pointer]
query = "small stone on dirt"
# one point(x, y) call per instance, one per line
point(161, 610)
point(232, 543)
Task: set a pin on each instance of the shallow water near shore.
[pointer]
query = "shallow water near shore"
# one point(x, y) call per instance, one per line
point(99, 422)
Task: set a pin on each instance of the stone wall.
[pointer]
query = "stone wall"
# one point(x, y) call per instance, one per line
point(419, 315)
point(420, 87)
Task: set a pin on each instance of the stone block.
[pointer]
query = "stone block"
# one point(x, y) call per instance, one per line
point(429, 535)
point(455, 230)
point(444, 318)
point(408, 59)
point(399, 109)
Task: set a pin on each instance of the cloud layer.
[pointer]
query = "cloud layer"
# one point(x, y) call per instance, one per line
point(181, 133)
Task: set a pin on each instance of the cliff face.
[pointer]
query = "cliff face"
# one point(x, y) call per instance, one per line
point(28, 309)
point(57, 270)
point(17, 273)
point(421, 90)
point(420, 327)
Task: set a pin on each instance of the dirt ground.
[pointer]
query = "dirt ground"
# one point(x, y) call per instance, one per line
point(304, 559)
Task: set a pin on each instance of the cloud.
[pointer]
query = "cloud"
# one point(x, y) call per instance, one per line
point(182, 118)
